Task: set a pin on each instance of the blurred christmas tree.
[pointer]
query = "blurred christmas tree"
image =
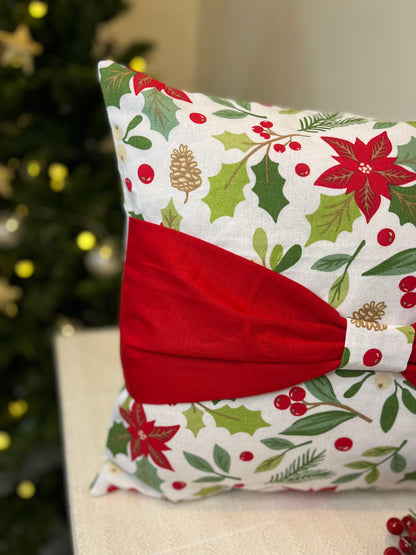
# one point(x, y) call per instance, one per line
point(60, 235)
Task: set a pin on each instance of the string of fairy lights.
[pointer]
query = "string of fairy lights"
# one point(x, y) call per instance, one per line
point(102, 257)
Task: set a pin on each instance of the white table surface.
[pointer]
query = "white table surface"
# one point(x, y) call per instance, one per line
point(238, 522)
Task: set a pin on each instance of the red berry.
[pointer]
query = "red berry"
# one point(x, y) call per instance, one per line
point(408, 521)
point(238, 485)
point(112, 488)
point(197, 118)
point(265, 135)
point(413, 532)
point(405, 545)
point(282, 402)
point(246, 456)
point(294, 145)
point(302, 170)
point(408, 284)
point(297, 393)
point(395, 526)
point(145, 173)
point(267, 124)
point(279, 148)
point(343, 444)
point(298, 409)
point(408, 300)
point(257, 129)
point(385, 237)
point(178, 485)
point(372, 357)
point(128, 183)
point(392, 551)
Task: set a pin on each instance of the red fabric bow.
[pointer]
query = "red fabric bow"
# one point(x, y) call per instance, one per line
point(200, 323)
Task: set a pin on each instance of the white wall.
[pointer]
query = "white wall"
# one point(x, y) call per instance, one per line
point(346, 55)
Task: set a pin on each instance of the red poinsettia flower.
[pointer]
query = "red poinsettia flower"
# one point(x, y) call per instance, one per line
point(146, 438)
point(142, 81)
point(365, 169)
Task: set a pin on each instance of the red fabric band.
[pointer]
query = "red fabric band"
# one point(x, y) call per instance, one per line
point(200, 323)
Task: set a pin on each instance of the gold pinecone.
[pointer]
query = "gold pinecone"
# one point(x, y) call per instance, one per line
point(368, 316)
point(185, 176)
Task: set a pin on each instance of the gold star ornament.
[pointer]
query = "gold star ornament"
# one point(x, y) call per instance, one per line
point(18, 49)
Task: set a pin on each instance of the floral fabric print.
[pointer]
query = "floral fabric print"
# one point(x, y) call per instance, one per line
point(326, 199)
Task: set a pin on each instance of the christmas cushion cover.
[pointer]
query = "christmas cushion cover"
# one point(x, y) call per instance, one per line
point(267, 316)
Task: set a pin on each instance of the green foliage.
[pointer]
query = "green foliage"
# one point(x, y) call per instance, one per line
point(57, 114)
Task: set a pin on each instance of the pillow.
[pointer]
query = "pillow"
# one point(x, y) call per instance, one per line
point(268, 298)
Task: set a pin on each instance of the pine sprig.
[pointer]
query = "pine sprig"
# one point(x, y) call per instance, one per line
point(324, 122)
point(301, 469)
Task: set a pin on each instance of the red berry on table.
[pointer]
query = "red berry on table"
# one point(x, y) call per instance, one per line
point(257, 129)
point(267, 124)
point(385, 237)
point(282, 402)
point(128, 183)
point(294, 145)
point(408, 300)
point(408, 284)
point(246, 456)
point(302, 170)
point(343, 444)
point(146, 173)
point(178, 485)
point(279, 148)
point(298, 409)
point(408, 521)
point(265, 135)
point(392, 551)
point(395, 526)
point(405, 545)
point(372, 357)
point(197, 118)
point(297, 393)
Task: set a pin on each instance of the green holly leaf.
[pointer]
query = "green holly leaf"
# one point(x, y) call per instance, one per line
point(115, 82)
point(347, 478)
point(137, 216)
point(143, 143)
point(403, 262)
point(389, 412)
point(205, 492)
point(240, 141)
point(372, 476)
point(409, 401)
point(133, 123)
point(334, 215)
point(277, 443)
point(260, 244)
point(222, 458)
point(322, 389)
point(409, 332)
point(147, 473)
point(170, 216)
point(230, 114)
point(239, 419)
point(316, 424)
point(269, 187)
point(161, 111)
point(379, 451)
point(331, 262)
point(276, 255)
point(290, 258)
point(398, 463)
point(403, 204)
point(118, 439)
point(194, 420)
point(339, 290)
point(226, 189)
point(384, 124)
point(406, 154)
point(271, 463)
point(198, 462)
